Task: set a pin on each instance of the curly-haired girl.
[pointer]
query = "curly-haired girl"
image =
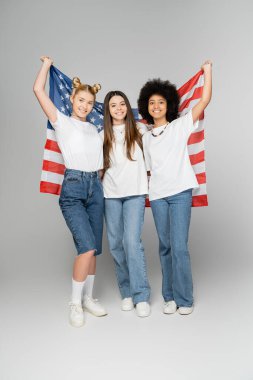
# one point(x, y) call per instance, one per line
point(171, 183)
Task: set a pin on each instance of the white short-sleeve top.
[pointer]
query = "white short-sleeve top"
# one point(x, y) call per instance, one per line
point(125, 177)
point(80, 143)
point(167, 158)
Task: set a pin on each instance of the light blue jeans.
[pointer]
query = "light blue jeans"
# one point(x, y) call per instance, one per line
point(172, 219)
point(124, 220)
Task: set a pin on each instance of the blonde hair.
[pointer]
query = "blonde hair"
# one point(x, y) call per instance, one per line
point(78, 86)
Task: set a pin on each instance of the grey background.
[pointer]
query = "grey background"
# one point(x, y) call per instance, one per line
point(121, 44)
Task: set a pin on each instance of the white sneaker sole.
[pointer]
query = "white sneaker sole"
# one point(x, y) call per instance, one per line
point(74, 324)
point(169, 312)
point(96, 314)
point(144, 315)
point(185, 311)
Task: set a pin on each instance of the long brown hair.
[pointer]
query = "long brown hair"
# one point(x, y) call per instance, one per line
point(132, 134)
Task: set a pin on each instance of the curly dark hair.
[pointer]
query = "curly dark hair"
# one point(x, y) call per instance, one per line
point(159, 87)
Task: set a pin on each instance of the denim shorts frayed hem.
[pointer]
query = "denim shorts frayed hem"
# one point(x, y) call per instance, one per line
point(83, 251)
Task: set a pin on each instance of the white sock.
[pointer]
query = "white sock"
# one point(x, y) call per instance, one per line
point(77, 290)
point(88, 287)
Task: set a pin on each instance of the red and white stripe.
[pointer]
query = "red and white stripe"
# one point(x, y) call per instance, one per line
point(53, 166)
point(190, 93)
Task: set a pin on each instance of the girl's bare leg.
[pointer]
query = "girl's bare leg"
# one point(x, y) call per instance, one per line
point(92, 268)
point(82, 265)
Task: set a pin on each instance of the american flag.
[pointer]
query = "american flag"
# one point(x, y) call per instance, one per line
point(60, 91)
point(53, 165)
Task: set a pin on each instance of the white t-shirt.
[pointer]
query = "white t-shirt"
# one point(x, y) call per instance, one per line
point(124, 177)
point(168, 160)
point(80, 143)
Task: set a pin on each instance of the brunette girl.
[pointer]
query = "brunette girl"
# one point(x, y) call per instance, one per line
point(125, 188)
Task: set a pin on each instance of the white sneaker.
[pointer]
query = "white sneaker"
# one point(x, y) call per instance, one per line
point(143, 309)
point(127, 304)
point(76, 316)
point(93, 306)
point(185, 310)
point(169, 307)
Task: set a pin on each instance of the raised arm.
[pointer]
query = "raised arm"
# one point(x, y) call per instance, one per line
point(207, 91)
point(39, 89)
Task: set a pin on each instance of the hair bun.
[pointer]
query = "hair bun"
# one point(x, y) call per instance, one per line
point(96, 87)
point(76, 82)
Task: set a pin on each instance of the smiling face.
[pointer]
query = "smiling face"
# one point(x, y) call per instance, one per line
point(82, 103)
point(157, 108)
point(118, 109)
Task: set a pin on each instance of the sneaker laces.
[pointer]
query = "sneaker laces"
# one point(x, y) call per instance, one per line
point(75, 306)
point(168, 303)
point(92, 299)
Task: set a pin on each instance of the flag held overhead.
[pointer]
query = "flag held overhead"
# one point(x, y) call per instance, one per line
point(53, 165)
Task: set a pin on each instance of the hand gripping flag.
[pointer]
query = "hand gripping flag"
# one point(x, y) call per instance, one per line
point(60, 91)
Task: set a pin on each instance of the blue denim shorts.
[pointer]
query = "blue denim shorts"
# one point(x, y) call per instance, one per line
point(82, 205)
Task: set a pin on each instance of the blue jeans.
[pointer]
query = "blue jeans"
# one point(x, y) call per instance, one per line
point(172, 219)
point(82, 205)
point(124, 220)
